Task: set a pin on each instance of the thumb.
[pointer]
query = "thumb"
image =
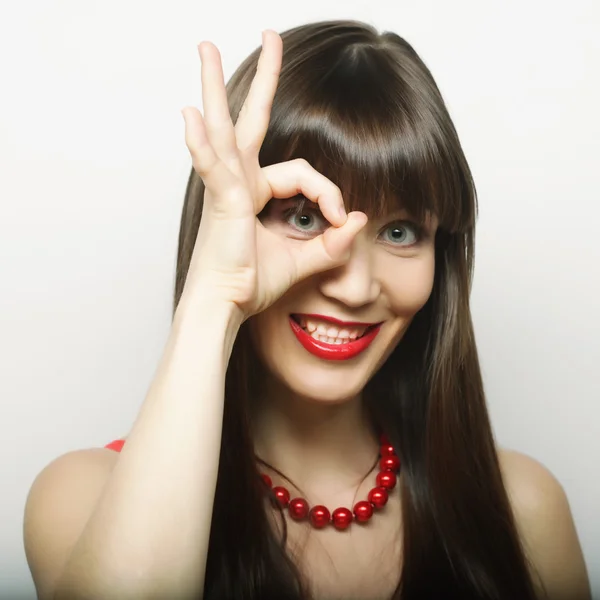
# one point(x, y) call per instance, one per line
point(330, 249)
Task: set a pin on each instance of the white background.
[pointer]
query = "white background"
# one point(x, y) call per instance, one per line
point(93, 168)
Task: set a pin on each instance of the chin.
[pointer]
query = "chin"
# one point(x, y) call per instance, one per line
point(319, 385)
point(314, 378)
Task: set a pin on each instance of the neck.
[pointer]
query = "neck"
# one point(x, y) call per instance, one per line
point(315, 444)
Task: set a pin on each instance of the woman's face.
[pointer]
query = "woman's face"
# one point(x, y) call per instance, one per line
point(328, 335)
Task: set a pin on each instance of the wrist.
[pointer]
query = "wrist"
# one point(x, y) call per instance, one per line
point(208, 312)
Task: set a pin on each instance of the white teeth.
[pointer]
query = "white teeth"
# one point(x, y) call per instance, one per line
point(328, 340)
point(307, 324)
point(321, 338)
point(326, 332)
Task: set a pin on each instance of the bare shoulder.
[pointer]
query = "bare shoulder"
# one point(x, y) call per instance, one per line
point(546, 526)
point(60, 501)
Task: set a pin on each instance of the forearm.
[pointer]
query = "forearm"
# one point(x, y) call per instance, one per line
point(148, 536)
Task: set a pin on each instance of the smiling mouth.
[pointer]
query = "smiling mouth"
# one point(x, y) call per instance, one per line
point(332, 332)
point(333, 342)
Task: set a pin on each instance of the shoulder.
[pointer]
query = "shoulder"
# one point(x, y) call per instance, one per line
point(530, 484)
point(58, 505)
point(546, 526)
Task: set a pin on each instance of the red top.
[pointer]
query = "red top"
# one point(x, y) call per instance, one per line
point(117, 445)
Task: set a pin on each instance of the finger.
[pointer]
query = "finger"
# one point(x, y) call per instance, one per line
point(330, 249)
point(196, 140)
point(294, 177)
point(217, 120)
point(213, 171)
point(253, 120)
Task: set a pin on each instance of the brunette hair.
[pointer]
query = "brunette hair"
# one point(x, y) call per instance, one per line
point(364, 110)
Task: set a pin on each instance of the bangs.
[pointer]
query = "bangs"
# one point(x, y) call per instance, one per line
point(380, 137)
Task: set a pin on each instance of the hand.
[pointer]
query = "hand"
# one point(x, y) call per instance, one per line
point(237, 259)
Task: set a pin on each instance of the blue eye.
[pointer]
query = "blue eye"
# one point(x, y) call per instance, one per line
point(302, 220)
point(402, 234)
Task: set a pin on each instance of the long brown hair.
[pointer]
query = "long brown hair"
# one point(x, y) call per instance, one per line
point(364, 110)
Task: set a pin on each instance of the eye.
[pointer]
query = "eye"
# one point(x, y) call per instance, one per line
point(402, 234)
point(305, 220)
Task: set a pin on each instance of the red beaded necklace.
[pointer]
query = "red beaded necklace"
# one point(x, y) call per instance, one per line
point(319, 515)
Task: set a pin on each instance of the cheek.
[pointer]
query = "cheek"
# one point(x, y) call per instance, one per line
point(411, 286)
point(268, 331)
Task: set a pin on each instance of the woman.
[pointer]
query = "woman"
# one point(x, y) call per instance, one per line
point(317, 425)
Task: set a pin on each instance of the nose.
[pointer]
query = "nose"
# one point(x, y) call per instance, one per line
point(354, 283)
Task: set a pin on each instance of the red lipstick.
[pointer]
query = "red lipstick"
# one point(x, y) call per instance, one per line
point(327, 351)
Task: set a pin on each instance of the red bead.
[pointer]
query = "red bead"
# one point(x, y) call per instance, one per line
point(378, 497)
point(386, 480)
point(384, 439)
point(319, 516)
point(282, 495)
point(387, 450)
point(298, 509)
point(363, 511)
point(389, 463)
point(267, 479)
point(341, 517)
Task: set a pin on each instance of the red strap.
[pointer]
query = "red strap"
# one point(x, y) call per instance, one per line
point(117, 445)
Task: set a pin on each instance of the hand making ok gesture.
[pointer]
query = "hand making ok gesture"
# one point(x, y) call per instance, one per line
point(236, 259)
